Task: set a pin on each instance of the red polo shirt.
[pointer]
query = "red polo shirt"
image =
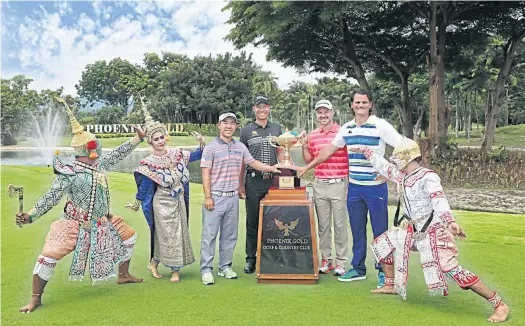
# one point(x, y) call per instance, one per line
point(337, 165)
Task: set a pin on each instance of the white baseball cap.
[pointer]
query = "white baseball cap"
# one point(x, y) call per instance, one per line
point(323, 104)
point(223, 116)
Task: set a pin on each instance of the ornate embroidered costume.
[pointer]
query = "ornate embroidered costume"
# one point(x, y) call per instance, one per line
point(160, 180)
point(160, 189)
point(423, 227)
point(85, 227)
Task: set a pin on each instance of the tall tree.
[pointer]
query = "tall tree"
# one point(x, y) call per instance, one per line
point(111, 83)
point(16, 101)
point(310, 35)
point(510, 26)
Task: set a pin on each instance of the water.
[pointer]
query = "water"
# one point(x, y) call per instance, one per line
point(127, 165)
point(47, 133)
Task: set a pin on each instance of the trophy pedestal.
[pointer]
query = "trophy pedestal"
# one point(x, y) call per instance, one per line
point(287, 242)
point(287, 179)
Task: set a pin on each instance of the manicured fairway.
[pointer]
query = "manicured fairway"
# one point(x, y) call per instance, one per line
point(494, 250)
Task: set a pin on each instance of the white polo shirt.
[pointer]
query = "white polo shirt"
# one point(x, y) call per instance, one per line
point(374, 133)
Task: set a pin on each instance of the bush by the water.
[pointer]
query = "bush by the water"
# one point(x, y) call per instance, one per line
point(203, 129)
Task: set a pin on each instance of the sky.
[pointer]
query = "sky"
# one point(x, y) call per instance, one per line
point(51, 42)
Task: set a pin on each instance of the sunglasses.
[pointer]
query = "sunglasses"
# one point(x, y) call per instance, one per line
point(159, 138)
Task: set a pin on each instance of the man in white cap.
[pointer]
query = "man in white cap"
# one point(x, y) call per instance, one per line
point(221, 164)
point(428, 226)
point(330, 188)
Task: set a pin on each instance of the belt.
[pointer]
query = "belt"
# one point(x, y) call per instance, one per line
point(253, 174)
point(328, 181)
point(225, 193)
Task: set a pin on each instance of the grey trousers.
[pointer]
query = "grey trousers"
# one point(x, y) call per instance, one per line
point(330, 205)
point(225, 217)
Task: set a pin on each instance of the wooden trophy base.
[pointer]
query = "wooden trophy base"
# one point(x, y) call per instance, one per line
point(287, 242)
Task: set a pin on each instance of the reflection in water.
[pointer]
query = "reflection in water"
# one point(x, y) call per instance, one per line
point(128, 165)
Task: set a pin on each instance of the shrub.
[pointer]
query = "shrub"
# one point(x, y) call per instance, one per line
point(470, 167)
point(500, 154)
point(203, 129)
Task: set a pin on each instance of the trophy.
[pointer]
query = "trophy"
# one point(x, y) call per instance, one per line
point(287, 179)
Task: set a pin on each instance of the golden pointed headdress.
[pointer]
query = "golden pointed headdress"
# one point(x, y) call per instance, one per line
point(80, 137)
point(406, 151)
point(151, 125)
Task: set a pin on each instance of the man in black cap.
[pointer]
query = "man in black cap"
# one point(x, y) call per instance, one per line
point(256, 136)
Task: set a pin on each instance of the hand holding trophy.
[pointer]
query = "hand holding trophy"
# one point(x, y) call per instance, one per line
point(286, 141)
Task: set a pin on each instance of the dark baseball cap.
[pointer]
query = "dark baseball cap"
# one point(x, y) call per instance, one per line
point(261, 99)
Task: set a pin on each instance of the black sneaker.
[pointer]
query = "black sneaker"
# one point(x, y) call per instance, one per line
point(249, 268)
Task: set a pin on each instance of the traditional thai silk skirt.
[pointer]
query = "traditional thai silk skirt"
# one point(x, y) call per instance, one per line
point(438, 255)
point(99, 239)
point(171, 239)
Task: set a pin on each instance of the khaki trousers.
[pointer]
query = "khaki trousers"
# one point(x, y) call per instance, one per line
point(330, 207)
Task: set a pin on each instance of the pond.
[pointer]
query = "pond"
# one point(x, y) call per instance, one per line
point(128, 165)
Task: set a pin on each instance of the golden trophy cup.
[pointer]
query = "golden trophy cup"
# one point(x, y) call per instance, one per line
point(287, 179)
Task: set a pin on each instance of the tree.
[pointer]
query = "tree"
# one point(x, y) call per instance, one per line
point(109, 115)
point(204, 86)
point(112, 83)
point(311, 36)
point(17, 100)
point(511, 28)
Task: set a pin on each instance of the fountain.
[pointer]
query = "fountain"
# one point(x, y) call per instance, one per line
point(47, 133)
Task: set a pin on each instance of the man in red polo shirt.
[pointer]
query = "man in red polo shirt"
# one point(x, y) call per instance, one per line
point(330, 188)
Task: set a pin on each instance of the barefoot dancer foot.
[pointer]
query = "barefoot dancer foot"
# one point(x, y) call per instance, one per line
point(124, 276)
point(500, 314)
point(175, 277)
point(387, 289)
point(33, 303)
point(153, 269)
point(36, 296)
point(123, 279)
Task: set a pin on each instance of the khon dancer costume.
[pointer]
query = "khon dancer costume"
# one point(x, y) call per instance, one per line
point(422, 227)
point(86, 226)
point(160, 180)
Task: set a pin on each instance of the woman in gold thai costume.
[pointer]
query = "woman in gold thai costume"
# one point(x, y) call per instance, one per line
point(160, 179)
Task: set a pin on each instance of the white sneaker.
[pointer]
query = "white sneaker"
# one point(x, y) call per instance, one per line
point(339, 271)
point(207, 279)
point(227, 273)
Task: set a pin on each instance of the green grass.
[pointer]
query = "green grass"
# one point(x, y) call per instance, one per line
point(114, 142)
point(495, 251)
point(509, 136)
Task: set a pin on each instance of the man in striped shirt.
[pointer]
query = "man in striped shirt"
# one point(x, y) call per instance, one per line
point(330, 187)
point(365, 193)
point(221, 164)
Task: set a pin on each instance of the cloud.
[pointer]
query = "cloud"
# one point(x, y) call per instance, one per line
point(54, 53)
point(63, 7)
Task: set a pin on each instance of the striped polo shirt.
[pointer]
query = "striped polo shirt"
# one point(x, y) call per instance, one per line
point(374, 133)
point(337, 165)
point(225, 160)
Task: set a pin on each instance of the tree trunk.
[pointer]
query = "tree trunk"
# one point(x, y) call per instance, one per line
point(456, 128)
point(408, 127)
point(491, 120)
point(476, 109)
point(467, 117)
point(443, 108)
point(499, 93)
point(417, 126)
point(432, 82)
